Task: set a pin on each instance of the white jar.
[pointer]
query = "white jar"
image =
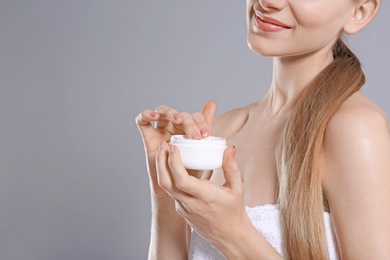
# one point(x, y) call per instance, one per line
point(203, 154)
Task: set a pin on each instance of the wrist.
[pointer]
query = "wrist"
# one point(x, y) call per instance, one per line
point(157, 192)
point(160, 202)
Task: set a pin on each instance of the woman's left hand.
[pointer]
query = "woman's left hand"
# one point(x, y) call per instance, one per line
point(215, 212)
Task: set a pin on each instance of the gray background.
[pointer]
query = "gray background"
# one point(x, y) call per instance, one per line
point(74, 74)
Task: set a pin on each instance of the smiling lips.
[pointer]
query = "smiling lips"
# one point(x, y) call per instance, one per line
point(267, 24)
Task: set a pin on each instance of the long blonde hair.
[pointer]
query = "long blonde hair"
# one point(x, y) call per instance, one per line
point(301, 198)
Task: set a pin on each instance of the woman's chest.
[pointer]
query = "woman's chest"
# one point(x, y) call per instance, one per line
point(257, 159)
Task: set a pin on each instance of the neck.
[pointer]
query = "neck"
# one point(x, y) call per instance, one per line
point(291, 75)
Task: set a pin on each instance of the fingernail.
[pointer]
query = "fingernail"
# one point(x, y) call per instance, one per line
point(153, 114)
point(171, 148)
point(176, 116)
point(234, 152)
point(195, 135)
point(204, 132)
point(162, 144)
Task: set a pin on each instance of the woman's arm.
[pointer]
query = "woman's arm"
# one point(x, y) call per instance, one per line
point(169, 231)
point(356, 179)
point(168, 239)
point(216, 213)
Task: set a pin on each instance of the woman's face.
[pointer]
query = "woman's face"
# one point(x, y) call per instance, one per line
point(295, 27)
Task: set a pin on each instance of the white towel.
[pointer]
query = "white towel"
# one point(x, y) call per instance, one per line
point(266, 219)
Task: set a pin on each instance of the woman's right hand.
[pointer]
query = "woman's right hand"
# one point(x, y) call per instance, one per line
point(159, 125)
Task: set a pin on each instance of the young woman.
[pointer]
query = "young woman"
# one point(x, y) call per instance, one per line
point(307, 172)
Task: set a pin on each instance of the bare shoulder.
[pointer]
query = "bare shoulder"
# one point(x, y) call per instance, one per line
point(358, 126)
point(358, 132)
point(356, 111)
point(356, 178)
point(229, 123)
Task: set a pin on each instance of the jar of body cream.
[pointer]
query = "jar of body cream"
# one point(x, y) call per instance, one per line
point(202, 154)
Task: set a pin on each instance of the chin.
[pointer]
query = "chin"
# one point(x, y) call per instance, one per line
point(259, 52)
point(265, 48)
point(260, 49)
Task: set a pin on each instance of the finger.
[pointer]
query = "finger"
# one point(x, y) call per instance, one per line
point(196, 125)
point(189, 126)
point(208, 111)
point(182, 180)
point(169, 114)
point(231, 171)
point(202, 124)
point(164, 177)
point(144, 121)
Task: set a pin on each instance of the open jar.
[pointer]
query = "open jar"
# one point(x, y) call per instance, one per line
point(202, 154)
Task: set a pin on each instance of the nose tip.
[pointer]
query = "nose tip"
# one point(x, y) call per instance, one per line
point(273, 4)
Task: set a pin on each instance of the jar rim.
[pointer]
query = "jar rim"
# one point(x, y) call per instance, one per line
point(182, 139)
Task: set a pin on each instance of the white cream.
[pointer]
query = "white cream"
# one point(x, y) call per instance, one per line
point(203, 154)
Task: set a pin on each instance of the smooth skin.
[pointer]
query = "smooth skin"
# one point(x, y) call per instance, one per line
point(169, 231)
point(355, 157)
